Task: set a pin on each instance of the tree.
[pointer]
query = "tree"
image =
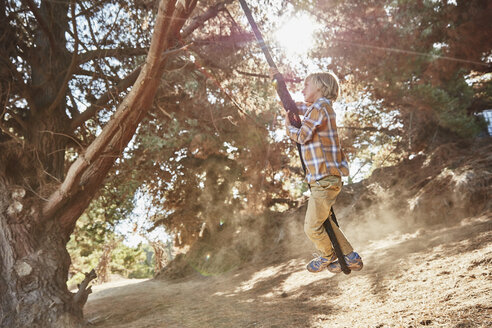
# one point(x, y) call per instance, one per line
point(206, 153)
point(51, 161)
point(425, 61)
point(94, 239)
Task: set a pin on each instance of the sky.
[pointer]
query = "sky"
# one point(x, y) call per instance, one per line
point(139, 220)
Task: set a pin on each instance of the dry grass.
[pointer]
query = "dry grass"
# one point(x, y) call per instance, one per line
point(432, 278)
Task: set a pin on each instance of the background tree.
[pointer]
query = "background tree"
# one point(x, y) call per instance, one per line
point(425, 61)
point(208, 152)
point(203, 155)
point(413, 76)
point(224, 159)
point(94, 238)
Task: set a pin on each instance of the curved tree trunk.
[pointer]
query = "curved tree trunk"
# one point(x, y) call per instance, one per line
point(34, 262)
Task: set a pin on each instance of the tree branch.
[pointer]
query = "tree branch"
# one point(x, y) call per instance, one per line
point(74, 109)
point(105, 98)
point(86, 11)
point(264, 76)
point(108, 95)
point(117, 53)
point(19, 120)
point(391, 132)
point(6, 129)
point(87, 173)
point(24, 89)
point(11, 135)
point(130, 79)
point(199, 20)
point(226, 39)
point(97, 75)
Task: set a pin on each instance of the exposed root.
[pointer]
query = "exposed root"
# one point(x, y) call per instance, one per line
point(82, 294)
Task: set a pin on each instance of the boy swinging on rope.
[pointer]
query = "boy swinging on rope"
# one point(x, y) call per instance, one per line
point(325, 164)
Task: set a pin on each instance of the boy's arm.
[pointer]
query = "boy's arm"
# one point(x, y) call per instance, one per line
point(309, 125)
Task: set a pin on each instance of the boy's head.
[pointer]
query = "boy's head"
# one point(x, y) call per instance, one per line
point(325, 83)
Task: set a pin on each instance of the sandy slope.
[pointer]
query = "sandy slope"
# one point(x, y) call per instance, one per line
point(438, 277)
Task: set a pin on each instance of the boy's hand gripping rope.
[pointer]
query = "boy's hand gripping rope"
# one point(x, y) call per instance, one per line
point(293, 112)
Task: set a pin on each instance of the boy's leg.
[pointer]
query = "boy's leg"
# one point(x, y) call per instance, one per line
point(323, 196)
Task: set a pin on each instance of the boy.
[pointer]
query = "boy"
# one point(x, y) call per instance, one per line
point(325, 164)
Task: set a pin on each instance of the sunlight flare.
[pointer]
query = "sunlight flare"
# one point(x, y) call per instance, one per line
point(296, 34)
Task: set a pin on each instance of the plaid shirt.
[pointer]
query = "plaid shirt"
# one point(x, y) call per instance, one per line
point(320, 146)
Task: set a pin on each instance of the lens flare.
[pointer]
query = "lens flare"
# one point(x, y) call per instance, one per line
point(296, 34)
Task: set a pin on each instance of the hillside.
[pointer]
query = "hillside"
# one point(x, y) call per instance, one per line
point(423, 228)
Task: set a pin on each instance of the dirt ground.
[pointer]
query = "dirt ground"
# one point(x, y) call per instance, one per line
point(435, 277)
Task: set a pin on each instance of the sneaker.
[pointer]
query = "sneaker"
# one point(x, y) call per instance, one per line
point(319, 263)
point(353, 260)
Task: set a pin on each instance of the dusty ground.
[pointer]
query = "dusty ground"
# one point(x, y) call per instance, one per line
point(435, 277)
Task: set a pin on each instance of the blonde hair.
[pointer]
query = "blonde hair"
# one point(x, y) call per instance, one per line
point(327, 83)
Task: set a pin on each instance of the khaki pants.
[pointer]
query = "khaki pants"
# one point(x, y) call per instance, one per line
point(323, 195)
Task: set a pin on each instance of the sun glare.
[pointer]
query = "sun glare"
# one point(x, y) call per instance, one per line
point(296, 34)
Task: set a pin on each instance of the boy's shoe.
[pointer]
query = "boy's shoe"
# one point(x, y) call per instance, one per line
point(353, 260)
point(319, 263)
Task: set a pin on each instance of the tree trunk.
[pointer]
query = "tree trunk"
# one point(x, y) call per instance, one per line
point(102, 269)
point(33, 267)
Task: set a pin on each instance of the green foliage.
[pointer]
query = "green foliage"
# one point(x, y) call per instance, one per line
point(133, 262)
point(392, 74)
point(206, 154)
point(415, 59)
point(128, 262)
point(94, 236)
point(450, 105)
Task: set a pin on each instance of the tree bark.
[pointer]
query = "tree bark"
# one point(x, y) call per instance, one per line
point(34, 266)
point(34, 262)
